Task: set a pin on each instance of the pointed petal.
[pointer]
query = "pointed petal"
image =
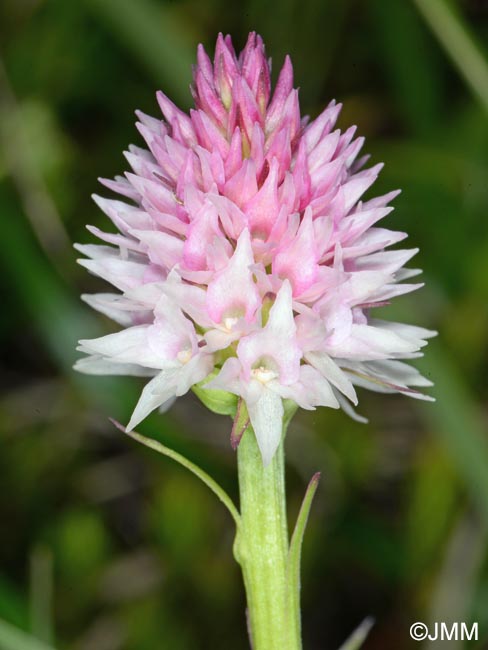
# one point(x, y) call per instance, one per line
point(109, 305)
point(297, 259)
point(158, 391)
point(266, 417)
point(348, 409)
point(228, 377)
point(312, 390)
point(262, 210)
point(331, 371)
point(233, 292)
point(99, 365)
point(276, 343)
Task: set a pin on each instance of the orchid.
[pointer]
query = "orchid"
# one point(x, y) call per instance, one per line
point(248, 264)
point(238, 210)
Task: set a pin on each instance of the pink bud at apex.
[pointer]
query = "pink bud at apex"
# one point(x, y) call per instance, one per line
point(243, 247)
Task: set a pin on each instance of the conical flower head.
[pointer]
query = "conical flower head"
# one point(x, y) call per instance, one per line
point(243, 251)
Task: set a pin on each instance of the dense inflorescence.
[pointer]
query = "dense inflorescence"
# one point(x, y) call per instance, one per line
point(245, 255)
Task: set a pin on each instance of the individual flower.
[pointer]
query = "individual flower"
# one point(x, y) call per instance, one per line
point(244, 251)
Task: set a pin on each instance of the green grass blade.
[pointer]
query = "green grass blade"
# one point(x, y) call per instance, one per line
point(41, 594)
point(457, 421)
point(459, 576)
point(459, 44)
point(153, 35)
point(358, 637)
point(11, 638)
point(412, 72)
point(455, 418)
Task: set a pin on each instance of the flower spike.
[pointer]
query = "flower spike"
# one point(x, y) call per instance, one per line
point(246, 258)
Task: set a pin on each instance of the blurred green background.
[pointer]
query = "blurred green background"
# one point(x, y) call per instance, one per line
point(107, 546)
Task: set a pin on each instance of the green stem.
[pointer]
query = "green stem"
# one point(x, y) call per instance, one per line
point(262, 547)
